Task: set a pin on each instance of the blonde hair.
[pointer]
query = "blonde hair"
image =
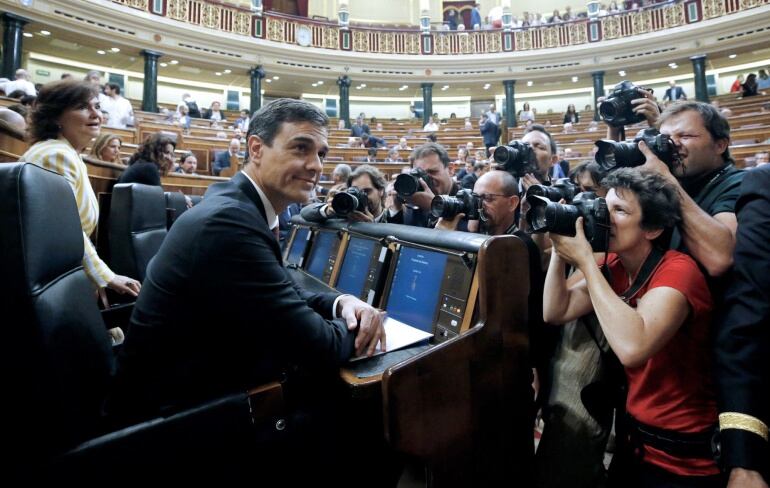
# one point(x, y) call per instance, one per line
point(101, 142)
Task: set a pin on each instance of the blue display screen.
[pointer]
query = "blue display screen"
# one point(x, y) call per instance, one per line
point(416, 285)
point(355, 267)
point(323, 246)
point(298, 246)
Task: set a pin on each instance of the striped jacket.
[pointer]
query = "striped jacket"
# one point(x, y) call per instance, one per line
point(59, 156)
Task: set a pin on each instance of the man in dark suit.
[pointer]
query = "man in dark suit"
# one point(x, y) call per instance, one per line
point(674, 92)
point(219, 312)
point(489, 131)
point(742, 346)
point(222, 159)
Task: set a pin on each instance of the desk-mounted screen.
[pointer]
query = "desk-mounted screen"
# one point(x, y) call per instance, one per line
point(429, 291)
point(323, 254)
point(298, 247)
point(362, 269)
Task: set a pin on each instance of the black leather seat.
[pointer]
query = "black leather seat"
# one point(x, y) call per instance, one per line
point(137, 227)
point(176, 205)
point(57, 365)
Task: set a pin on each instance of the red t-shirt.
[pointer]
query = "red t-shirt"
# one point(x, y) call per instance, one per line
point(673, 390)
point(736, 87)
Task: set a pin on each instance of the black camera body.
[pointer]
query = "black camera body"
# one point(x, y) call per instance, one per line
point(351, 200)
point(611, 155)
point(465, 201)
point(617, 110)
point(563, 188)
point(547, 216)
point(517, 158)
point(407, 184)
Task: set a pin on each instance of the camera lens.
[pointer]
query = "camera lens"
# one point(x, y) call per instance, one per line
point(445, 206)
point(406, 184)
point(344, 203)
point(608, 109)
point(551, 193)
point(545, 216)
point(503, 154)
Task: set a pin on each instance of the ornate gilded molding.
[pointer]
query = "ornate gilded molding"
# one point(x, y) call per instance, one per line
point(281, 29)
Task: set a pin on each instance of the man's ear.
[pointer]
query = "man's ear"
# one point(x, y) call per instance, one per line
point(255, 146)
point(514, 199)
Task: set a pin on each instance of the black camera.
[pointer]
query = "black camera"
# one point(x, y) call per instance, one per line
point(563, 188)
point(617, 110)
point(465, 201)
point(611, 154)
point(517, 158)
point(352, 199)
point(547, 216)
point(407, 184)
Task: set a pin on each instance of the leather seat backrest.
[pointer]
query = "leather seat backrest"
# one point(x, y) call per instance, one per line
point(175, 201)
point(137, 227)
point(57, 358)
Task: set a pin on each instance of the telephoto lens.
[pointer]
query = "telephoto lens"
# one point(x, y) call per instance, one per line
point(562, 189)
point(407, 184)
point(351, 200)
point(547, 216)
point(517, 158)
point(611, 155)
point(465, 202)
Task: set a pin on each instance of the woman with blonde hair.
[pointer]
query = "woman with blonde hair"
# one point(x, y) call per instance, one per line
point(107, 148)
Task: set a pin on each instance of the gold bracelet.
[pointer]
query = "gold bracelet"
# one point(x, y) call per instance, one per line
point(736, 420)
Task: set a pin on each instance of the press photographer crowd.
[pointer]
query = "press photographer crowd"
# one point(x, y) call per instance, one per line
point(649, 279)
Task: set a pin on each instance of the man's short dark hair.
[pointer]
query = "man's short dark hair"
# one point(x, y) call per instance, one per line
point(375, 176)
point(431, 148)
point(266, 122)
point(713, 120)
point(657, 197)
point(114, 87)
point(541, 128)
point(185, 156)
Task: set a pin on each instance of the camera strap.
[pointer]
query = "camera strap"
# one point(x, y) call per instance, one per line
point(645, 273)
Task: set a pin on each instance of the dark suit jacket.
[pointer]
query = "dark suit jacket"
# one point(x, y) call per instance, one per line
point(221, 161)
point(490, 132)
point(219, 313)
point(742, 346)
point(675, 93)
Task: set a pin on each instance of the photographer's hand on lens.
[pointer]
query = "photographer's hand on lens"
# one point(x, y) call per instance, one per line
point(422, 198)
point(647, 107)
point(449, 224)
point(654, 164)
point(575, 250)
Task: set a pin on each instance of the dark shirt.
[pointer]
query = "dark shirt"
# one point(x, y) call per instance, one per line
point(359, 130)
point(143, 172)
point(571, 118)
point(468, 181)
point(375, 141)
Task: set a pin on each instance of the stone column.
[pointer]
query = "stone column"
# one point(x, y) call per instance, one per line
point(344, 84)
point(427, 102)
point(598, 91)
point(699, 70)
point(256, 73)
point(510, 103)
point(150, 93)
point(13, 28)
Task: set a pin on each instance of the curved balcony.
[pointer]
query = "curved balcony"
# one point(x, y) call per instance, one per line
point(284, 29)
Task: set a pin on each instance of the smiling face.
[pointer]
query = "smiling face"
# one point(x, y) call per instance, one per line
point(288, 170)
point(82, 123)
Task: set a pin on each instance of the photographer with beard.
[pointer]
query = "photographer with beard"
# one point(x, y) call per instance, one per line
point(370, 181)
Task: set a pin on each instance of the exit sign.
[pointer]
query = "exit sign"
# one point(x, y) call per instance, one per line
point(42, 72)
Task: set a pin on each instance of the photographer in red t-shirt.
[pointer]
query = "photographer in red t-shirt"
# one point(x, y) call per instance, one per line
point(659, 333)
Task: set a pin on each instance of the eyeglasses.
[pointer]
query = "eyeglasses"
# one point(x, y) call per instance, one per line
point(490, 197)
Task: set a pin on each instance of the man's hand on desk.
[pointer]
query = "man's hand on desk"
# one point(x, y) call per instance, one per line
point(368, 320)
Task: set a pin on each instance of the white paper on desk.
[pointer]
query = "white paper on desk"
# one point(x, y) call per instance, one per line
point(397, 336)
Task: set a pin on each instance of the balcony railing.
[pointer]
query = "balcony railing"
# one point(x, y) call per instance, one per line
point(282, 28)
